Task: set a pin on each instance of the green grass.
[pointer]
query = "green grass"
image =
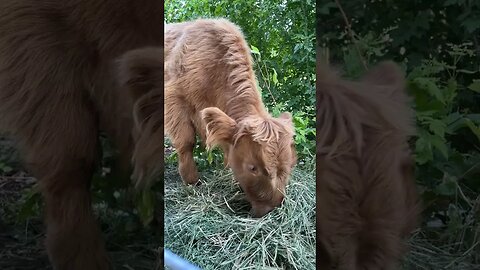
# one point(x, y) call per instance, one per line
point(209, 225)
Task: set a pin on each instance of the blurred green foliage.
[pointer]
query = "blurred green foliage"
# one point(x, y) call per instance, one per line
point(437, 43)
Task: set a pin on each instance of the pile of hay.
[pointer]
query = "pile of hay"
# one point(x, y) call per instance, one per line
point(209, 225)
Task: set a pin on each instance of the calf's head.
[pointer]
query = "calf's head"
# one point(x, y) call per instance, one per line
point(261, 154)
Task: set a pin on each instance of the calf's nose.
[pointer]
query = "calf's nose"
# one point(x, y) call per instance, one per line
point(260, 211)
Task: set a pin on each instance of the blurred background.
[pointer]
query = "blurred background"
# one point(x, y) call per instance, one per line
point(438, 45)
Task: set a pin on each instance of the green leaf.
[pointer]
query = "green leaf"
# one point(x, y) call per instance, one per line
point(146, 206)
point(254, 50)
point(439, 144)
point(450, 90)
point(475, 117)
point(423, 151)
point(273, 52)
point(429, 85)
point(30, 206)
point(438, 127)
point(210, 157)
point(475, 129)
point(466, 71)
point(475, 86)
point(455, 121)
point(274, 77)
point(448, 186)
point(472, 121)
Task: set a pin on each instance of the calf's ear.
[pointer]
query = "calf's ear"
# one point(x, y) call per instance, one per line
point(220, 127)
point(286, 118)
point(386, 73)
point(140, 72)
point(390, 76)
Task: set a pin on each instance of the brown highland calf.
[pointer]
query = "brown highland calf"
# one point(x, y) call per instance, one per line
point(210, 90)
point(366, 197)
point(58, 88)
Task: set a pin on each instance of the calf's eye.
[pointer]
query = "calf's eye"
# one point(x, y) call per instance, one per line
point(252, 168)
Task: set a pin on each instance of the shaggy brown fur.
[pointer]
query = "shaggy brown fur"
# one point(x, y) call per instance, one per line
point(58, 89)
point(210, 89)
point(366, 197)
